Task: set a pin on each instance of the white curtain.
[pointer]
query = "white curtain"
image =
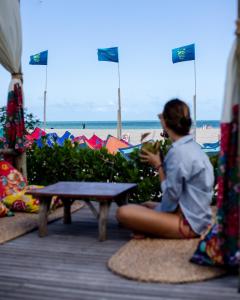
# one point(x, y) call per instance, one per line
point(232, 86)
point(10, 35)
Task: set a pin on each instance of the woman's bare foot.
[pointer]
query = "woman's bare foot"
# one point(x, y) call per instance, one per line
point(138, 236)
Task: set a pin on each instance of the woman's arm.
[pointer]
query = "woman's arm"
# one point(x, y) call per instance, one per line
point(171, 184)
point(155, 161)
point(161, 173)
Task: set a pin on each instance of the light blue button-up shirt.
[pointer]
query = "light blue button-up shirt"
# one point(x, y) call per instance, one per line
point(188, 184)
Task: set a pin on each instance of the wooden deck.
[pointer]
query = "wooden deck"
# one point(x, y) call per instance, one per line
point(71, 264)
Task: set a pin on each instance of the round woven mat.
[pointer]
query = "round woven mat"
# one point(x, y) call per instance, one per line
point(160, 260)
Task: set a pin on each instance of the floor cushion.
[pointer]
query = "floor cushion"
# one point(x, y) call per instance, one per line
point(21, 202)
point(11, 180)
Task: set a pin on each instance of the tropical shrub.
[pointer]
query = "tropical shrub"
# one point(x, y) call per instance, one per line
point(30, 120)
point(48, 165)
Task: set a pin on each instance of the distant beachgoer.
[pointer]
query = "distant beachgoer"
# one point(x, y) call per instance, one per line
point(83, 126)
point(186, 178)
point(126, 137)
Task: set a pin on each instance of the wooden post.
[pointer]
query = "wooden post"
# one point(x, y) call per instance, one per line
point(92, 208)
point(122, 200)
point(21, 163)
point(102, 221)
point(119, 111)
point(43, 216)
point(67, 211)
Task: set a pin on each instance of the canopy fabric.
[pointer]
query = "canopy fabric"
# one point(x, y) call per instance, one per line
point(231, 86)
point(80, 139)
point(95, 142)
point(228, 180)
point(10, 35)
point(128, 150)
point(113, 144)
point(220, 245)
point(67, 135)
point(36, 134)
point(10, 59)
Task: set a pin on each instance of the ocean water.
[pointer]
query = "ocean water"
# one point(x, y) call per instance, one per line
point(113, 124)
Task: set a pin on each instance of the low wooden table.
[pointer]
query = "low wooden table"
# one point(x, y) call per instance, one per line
point(102, 192)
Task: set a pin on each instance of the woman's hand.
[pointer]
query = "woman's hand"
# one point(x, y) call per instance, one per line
point(151, 158)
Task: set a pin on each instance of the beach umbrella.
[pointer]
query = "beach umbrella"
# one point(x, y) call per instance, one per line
point(228, 199)
point(10, 59)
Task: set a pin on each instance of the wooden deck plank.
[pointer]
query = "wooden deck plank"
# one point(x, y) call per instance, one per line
point(70, 263)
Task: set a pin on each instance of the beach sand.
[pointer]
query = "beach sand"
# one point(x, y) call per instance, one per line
point(210, 135)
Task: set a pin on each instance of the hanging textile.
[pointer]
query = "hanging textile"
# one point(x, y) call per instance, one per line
point(14, 128)
point(220, 246)
point(10, 58)
point(228, 180)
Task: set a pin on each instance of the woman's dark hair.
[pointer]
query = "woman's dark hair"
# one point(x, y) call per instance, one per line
point(176, 115)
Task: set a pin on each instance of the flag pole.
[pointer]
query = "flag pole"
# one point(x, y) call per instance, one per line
point(119, 114)
point(45, 101)
point(195, 104)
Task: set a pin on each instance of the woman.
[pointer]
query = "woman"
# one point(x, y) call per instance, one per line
point(186, 178)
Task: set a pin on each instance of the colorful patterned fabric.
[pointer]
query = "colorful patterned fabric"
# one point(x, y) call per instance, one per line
point(223, 237)
point(208, 251)
point(220, 245)
point(229, 190)
point(21, 202)
point(11, 180)
point(3, 210)
point(15, 128)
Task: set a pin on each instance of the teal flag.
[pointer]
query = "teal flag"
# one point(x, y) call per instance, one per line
point(183, 53)
point(108, 54)
point(39, 59)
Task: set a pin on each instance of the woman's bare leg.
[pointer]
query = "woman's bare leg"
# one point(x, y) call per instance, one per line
point(149, 204)
point(148, 221)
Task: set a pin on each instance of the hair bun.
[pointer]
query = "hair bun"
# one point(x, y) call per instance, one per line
point(185, 122)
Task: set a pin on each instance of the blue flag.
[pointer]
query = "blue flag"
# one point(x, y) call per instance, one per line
point(108, 54)
point(183, 53)
point(39, 59)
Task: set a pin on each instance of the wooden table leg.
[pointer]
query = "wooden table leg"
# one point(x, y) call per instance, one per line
point(102, 221)
point(123, 200)
point(43, 214)
point(67, 219)
point(92, 208)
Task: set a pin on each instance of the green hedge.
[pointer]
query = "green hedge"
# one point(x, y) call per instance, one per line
point(71, 163)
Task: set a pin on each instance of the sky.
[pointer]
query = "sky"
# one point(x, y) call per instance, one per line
point(80, 88)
